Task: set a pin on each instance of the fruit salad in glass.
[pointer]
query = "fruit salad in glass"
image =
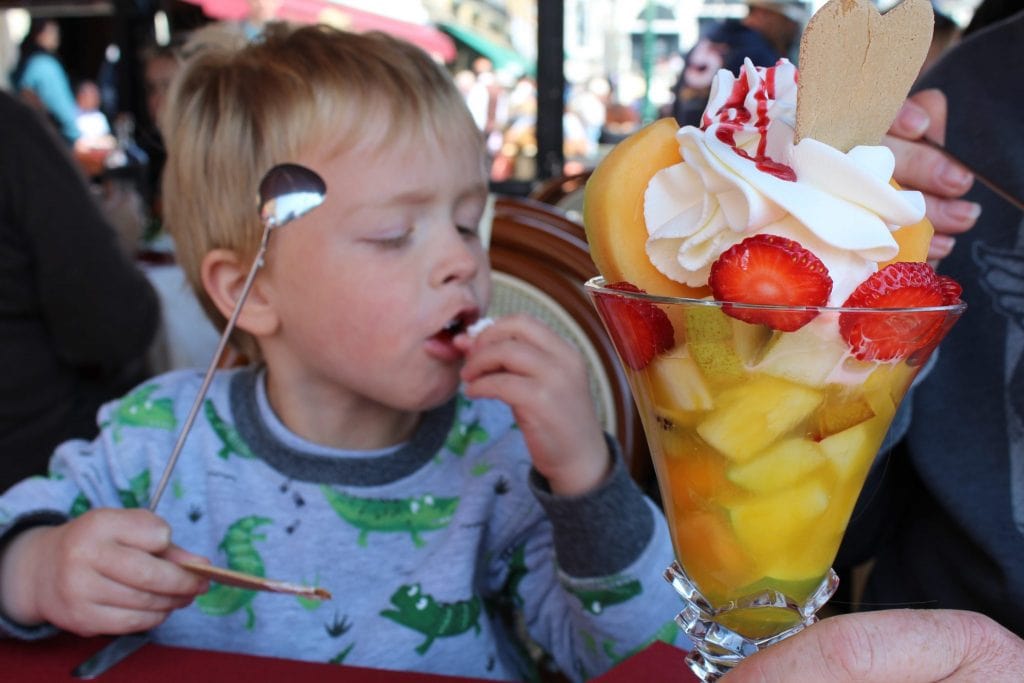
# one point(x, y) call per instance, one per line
point(771, 304)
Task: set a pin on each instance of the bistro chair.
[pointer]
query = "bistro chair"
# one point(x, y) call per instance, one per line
point(539, 261)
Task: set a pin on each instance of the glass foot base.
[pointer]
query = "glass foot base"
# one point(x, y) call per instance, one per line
point(717, 648)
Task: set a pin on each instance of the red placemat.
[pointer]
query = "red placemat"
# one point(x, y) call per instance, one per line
point(51, 660)
point(658, 662)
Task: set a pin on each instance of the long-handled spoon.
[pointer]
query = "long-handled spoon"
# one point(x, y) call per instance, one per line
point(287, 192)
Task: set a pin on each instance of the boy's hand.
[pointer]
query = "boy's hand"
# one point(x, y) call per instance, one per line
point(544, 379)
point(108, 571)
point(919, 167)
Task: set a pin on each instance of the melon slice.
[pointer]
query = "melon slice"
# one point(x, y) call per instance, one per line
point(613, 209)
point(913, 240)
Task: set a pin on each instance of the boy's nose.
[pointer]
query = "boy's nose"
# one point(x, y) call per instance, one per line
point(460, 260)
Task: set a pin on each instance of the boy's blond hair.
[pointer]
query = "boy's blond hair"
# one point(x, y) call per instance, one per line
point(234, 113)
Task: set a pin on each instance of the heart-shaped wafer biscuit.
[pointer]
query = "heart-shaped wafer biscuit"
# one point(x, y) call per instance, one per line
point(856, 68)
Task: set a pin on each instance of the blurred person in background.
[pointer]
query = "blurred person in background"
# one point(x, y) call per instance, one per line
point(92, 123)
point(76, 315)
point(769, 32)
point(161, 64)
point(40, 79)
point(260, 12)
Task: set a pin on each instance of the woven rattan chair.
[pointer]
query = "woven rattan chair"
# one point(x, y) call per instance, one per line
point(540, 260)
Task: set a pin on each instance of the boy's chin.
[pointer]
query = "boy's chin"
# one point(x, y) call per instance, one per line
point(440, 394)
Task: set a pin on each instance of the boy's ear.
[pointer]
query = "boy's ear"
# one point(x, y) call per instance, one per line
point(224, 274)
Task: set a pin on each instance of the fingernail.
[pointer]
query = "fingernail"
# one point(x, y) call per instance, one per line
point(954, 175)
point(914, 120)
point(965, 212)
point(943, 244)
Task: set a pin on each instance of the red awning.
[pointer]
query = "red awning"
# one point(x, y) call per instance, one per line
point(430, 39)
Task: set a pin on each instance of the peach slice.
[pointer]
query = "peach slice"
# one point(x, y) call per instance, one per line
point(613, 209)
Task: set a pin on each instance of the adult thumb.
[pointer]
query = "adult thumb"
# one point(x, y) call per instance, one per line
point(911, 646)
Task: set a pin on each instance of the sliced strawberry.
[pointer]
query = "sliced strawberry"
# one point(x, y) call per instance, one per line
point(892, 335)
point(951, 290)
point(639, 329)
point(769, 269)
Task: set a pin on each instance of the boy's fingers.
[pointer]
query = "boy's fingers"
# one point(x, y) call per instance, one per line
point(149, 574)
point(137, 528)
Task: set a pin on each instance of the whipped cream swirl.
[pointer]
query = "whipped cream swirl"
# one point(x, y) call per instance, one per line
point(742, 175)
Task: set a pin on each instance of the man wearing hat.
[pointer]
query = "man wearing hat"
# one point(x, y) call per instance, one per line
point(768, 32)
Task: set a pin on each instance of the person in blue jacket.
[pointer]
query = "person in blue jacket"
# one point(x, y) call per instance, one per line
point(41, 80)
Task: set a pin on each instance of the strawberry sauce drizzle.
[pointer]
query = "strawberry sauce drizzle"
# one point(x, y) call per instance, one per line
point(733, 116)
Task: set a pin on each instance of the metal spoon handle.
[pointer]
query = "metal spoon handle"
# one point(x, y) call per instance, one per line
point(205, 386)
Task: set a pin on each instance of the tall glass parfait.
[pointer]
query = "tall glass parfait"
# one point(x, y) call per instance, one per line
point(761, 442)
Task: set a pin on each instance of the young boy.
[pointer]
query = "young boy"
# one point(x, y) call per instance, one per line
point(349, 457)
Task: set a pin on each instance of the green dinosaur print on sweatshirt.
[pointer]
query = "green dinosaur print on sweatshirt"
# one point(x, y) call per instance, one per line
point(137, 495)
point(666, 634)
point(228, 435)
point(595, 600)
point(341, 656)
point(463, 433)
point(138, 410)
point(401, 515)
point(79, 506)
point(422, 613)
point(238, 545)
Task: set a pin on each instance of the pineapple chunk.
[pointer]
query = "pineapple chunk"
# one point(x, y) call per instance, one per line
point(767, 525)
point(676, 383)
point(806, 356)
point(782, 465)
point(710, 342)
point(851, 451)
point(749, 418)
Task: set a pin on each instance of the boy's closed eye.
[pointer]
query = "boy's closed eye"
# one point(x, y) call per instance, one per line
point(391, 239)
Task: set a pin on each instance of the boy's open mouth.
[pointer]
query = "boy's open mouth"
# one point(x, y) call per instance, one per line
point(457, 325)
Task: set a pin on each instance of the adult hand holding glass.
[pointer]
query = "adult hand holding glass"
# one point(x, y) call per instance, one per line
point(914, 646)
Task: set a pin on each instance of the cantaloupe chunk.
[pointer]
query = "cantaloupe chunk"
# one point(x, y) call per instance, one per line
point(613, 209)
point(913, 240)
point(709, 553)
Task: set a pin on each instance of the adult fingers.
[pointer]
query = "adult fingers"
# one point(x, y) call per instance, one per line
point(919, 167)
point(912, 646)
point(923, 114)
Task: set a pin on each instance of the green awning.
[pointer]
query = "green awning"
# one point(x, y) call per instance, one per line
point(502, 57)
